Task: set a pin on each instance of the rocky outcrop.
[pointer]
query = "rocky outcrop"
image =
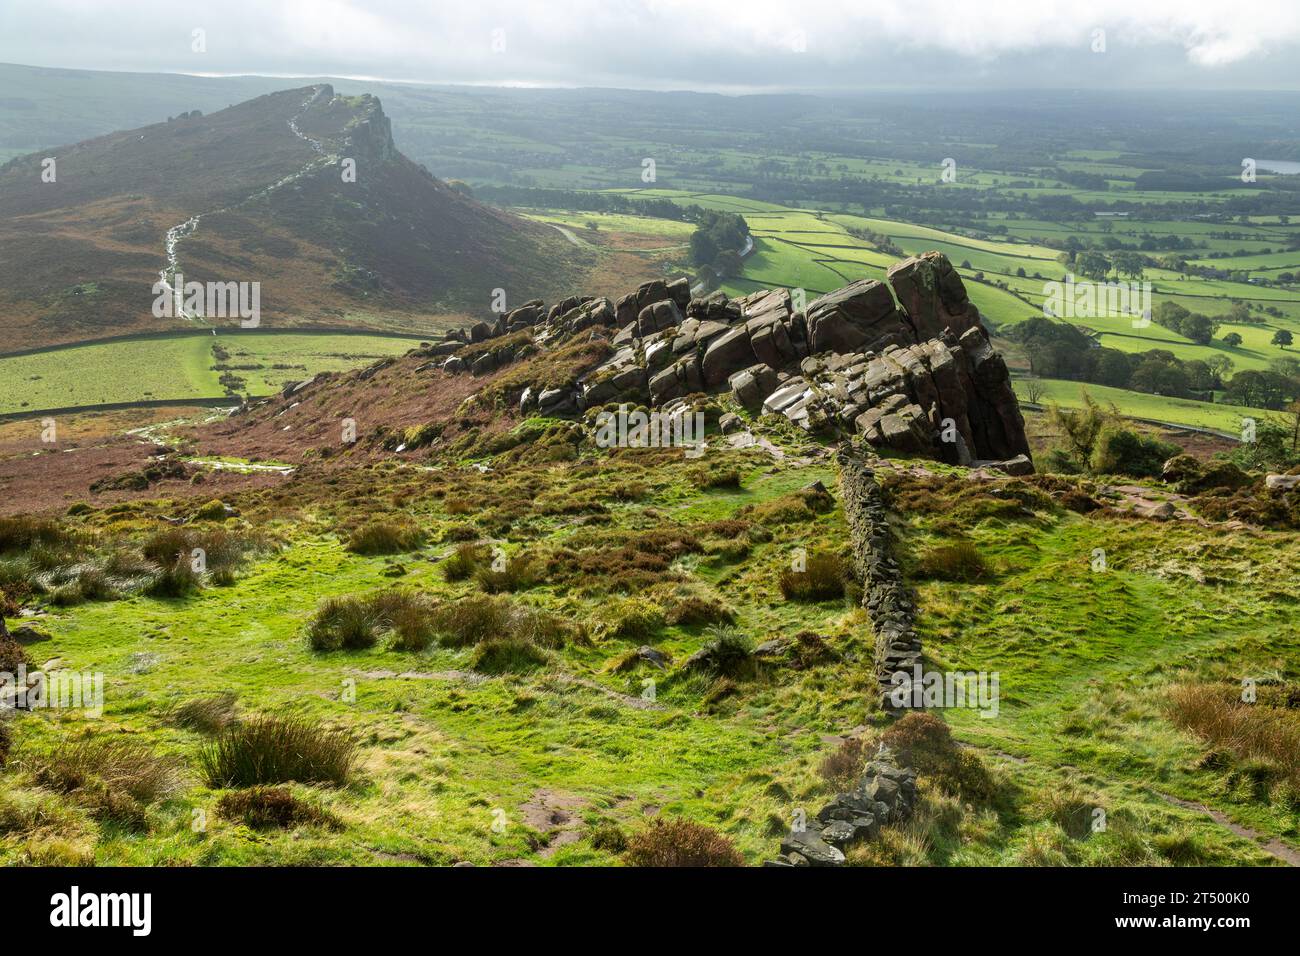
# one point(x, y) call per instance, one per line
point(922, 379)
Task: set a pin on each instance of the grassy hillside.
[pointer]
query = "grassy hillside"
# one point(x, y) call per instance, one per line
point(154, 369)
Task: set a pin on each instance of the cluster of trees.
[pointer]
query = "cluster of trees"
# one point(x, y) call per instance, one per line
point(717, 241)
point(1091, 264)
point(1273, 388)
point(1059, 350)
point(1201, 329)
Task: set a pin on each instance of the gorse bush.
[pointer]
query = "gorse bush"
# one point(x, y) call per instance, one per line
point(384, 537)
point(959, 561)
point(268, 750)
point(681, 843)
point(265, 808)
point(823, 578)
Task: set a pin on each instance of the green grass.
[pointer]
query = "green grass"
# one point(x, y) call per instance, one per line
point(179, 368)
point(445, 753)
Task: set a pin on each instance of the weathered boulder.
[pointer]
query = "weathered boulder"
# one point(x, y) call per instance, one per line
point(727, 354)
point(752, 385)
point(932, 294)
point(859, 316)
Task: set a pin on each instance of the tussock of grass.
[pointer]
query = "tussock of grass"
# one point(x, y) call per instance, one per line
point(823, 578)
point(1255, 733)
point(464, 561)
point(634, 619)
point(355, 622)
point(267, 750)
point(115, 778)
point(517, 574)
point(960, 561)
point(842, 767)
point(509, 654)
point(384, 537)
point(207, 715)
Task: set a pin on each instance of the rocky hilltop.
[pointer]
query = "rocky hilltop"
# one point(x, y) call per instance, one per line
point(301, 191)
point(905, 364)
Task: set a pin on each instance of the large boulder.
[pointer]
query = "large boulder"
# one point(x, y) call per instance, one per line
point(931, 292)
point(858, 317)
point(727, 354)
point(751, 385)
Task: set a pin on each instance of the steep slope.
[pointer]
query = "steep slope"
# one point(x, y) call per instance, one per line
point(260, 192)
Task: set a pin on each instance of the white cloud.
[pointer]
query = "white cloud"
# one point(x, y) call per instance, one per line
point(672, 41)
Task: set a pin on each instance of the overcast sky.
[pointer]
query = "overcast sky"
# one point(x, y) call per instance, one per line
point(727, 45)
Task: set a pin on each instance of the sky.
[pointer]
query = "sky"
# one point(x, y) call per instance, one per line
point(717, 45)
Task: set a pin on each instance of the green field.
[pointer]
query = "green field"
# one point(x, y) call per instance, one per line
point(1006, 275)
point(157, 369)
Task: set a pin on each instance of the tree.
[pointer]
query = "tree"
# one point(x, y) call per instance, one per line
point(1282, 338)
point(1092, 265)
point(1232, 340)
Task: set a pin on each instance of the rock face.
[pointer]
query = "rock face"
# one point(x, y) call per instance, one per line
point(922, 378)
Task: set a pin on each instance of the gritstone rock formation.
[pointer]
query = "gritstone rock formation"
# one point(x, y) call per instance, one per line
point(922, 378)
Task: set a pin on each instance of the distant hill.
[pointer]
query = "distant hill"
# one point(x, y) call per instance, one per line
point(79, 255)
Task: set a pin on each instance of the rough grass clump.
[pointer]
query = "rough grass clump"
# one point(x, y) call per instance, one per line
point(176, 578)
point(115, 778)
point(1069, 809)
point(355, 622)
point(823, 578)
point(268, 750)
point(345, 623)
point(609, 837)
point(21, 532)
point(681, 843)
point(507, 654)
point(516, 574)
point(842, 767)
point(267, 808)
point(689, 610)
point(960, 561)
point(727, 653)
point(6, 742)
point(207, 715)
point(470, 620)
point(634, 619)
point(1264, 740)
point(467, 558)
point(384, 537)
